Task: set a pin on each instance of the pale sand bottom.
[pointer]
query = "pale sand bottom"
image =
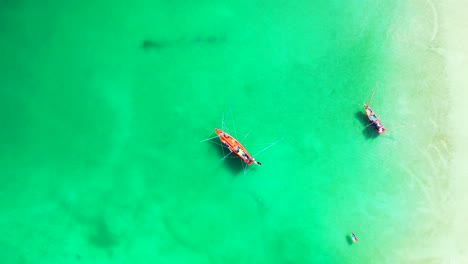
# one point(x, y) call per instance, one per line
point(453, 244)
point(440, 230)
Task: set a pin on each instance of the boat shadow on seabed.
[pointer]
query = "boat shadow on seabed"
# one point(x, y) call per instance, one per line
point(349, 240)
point(233, 163)
point(367, 130)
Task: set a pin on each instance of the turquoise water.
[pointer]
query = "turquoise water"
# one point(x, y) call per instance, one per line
point(104, 106)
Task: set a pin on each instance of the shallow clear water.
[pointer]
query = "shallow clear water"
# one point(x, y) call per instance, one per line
point(103, 108)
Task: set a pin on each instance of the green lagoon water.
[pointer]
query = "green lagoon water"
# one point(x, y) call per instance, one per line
point(104, 104)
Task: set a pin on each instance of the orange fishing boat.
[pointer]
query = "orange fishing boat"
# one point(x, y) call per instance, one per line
point(235, 147)
point(374, 120)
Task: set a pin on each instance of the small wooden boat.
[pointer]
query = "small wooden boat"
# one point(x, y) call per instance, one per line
point(235, 147)
point(354, 238)
point(374, 120)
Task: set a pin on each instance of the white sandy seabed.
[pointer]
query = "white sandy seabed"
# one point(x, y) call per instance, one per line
point(437, 30)
point(454, 243)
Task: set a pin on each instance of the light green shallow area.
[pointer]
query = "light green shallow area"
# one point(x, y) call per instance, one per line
point(104, 107)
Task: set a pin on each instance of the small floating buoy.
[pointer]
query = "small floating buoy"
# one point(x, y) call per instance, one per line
point(354, 238)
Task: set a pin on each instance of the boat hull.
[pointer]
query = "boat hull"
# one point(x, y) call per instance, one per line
point(234, 146)
point(374, 120)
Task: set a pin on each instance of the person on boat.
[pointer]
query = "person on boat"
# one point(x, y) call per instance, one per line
point(240, 152)
point(243, 154)
point(379, 126)
point(236, 149)
point(373, 118)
